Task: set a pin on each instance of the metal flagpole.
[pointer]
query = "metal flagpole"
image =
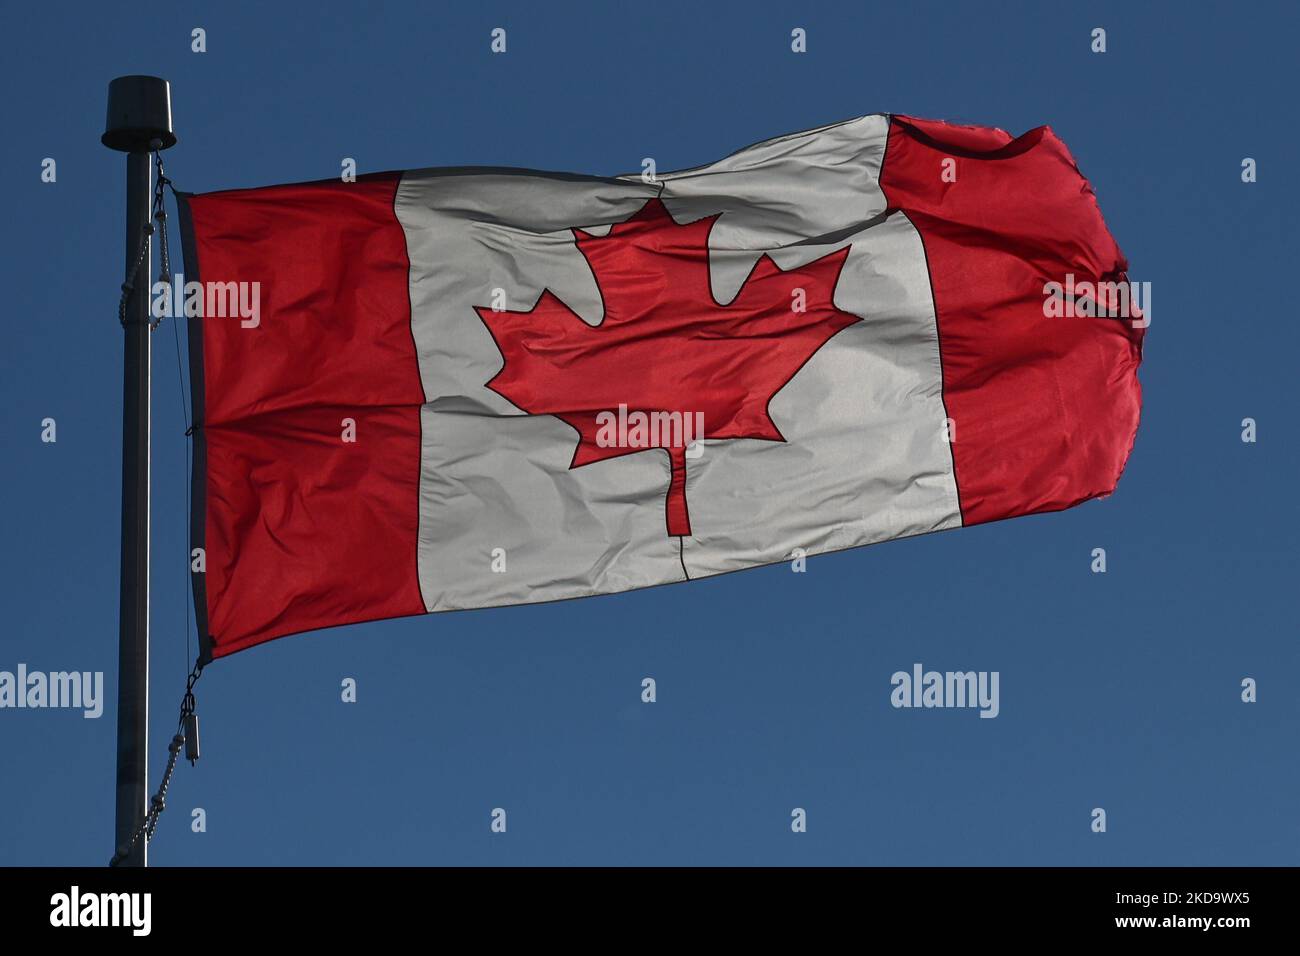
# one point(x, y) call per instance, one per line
point(139, 120)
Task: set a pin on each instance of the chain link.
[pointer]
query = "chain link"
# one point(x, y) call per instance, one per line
point(158, 803)
point(158, 212)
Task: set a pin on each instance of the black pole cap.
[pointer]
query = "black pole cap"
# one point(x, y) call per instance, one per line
point(139, 113)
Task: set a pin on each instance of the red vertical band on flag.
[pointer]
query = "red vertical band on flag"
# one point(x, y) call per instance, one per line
point(311, 416)
point(1044, 410)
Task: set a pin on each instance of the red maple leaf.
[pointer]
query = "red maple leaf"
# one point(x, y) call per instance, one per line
point(665, 345)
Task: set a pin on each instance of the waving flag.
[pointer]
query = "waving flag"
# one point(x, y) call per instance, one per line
point(447, 389)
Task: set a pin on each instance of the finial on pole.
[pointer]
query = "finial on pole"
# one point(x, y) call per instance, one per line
point(139, 115)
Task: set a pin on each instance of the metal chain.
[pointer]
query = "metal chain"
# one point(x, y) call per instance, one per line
point(158, 212)
point(158, 803)
point(129, 284)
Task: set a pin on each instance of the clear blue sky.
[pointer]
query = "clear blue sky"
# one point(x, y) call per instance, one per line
point(1118, 690)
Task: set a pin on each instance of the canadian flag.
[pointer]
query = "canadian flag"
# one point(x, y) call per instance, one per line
point(470, 388)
